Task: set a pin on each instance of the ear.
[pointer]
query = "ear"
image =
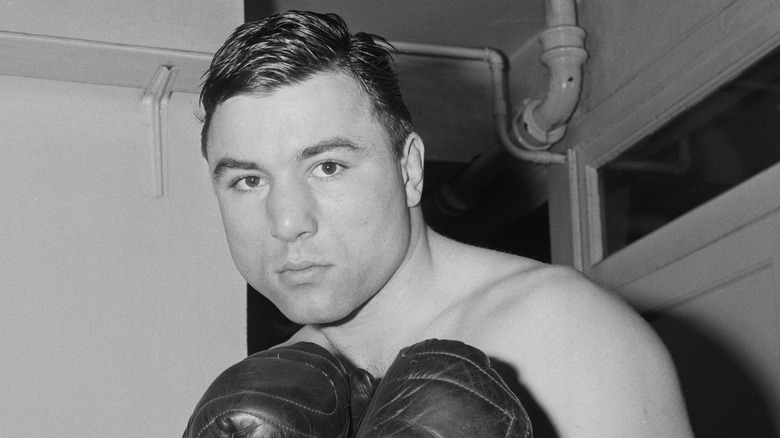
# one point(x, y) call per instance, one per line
point(412, 168)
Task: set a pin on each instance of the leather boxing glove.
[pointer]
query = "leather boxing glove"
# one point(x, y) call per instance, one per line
point(300, 390)
point(439, 388)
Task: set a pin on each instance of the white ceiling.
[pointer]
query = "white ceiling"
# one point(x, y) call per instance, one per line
point(503, 24)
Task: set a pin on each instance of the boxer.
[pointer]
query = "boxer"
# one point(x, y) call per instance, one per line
point(319, 174)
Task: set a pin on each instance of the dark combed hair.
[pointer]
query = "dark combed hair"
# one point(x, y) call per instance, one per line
point(288, 48)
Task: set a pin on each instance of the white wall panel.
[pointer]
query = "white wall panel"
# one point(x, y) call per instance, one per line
point(118, 308)
point(199, 25)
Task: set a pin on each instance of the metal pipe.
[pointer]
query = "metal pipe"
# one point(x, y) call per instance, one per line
point(560, 13)
point(454, 52)
point(540, 124)
point(464, 192)
point(501, 103)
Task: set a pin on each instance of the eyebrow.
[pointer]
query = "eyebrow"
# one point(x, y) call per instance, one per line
point(226, 163)
point(335, 143)
point(327, 145)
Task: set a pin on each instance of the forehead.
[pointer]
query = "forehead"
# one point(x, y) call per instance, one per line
point(326, 105)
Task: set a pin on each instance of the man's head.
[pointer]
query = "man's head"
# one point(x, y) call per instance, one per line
point(288, 48)
point(317, 173)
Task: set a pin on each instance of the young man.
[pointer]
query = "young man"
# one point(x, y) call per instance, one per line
point(319, 176)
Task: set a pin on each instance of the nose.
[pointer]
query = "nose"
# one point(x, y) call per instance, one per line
point(291, 210)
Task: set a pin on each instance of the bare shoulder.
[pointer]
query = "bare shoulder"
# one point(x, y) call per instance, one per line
point(553, 302)
point(589, 360)
point(563, 313)
point(550, 293)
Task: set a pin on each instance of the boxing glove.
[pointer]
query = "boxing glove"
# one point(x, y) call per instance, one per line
point(295, 391)
point(443, 389)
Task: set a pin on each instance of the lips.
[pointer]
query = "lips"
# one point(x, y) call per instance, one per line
point(296, 273)
point(297, 266)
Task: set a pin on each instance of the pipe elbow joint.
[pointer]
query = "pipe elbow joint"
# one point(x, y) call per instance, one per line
point(541, 124)
point(535, 132)
point(495, 58)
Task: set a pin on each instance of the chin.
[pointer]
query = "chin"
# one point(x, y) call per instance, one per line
point(318, 305)
point(322, 318)
point(312, 315)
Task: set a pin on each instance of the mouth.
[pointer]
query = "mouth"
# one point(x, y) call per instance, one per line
point(297, 266)
point(296, 273)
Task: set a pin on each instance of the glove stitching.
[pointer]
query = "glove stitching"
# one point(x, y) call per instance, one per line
point(499, 383)
point(333, 368)
point(286, 400)
point(506, 412)
point(411, 425)
point(328, 377)
point(275, 423)
point(509, 428)
point(458, 384)
point(526, 432)
point(330, 380)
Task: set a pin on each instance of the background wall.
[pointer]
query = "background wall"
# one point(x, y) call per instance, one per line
point(118, 308)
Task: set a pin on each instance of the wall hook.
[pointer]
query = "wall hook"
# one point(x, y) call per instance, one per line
point(155, 104)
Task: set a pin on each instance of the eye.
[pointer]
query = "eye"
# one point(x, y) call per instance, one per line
point(327, 169)
point(248, 183)
point(252, 181)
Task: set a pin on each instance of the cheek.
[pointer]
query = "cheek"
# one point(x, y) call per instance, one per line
point(380, 224)
point(234, 219)
point(242, 226)
point(374, 206)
